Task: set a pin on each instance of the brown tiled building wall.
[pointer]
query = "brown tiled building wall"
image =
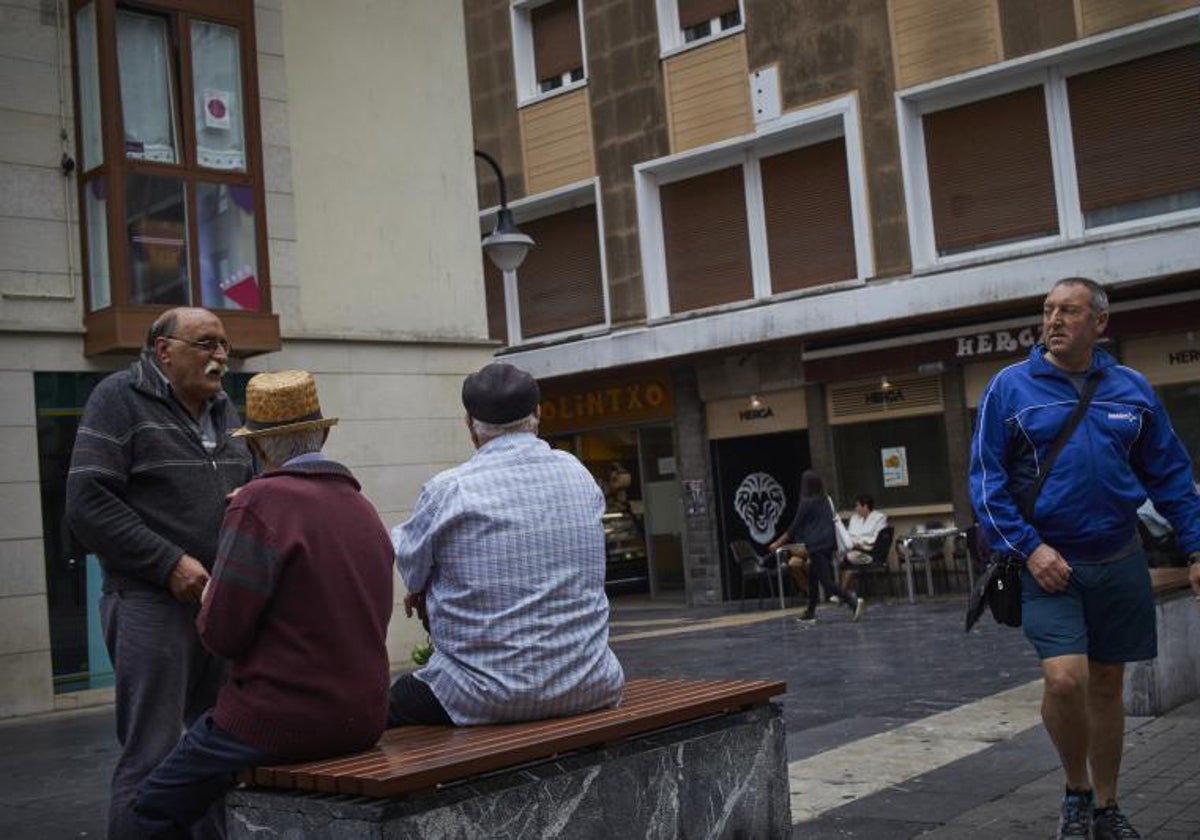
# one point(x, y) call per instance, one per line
point(493, 96)
point(826, 48)
point(629, 125)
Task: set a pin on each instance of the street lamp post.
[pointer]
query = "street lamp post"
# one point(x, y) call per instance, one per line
point(505, 246)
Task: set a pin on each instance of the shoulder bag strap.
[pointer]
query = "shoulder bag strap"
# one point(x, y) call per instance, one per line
point(1085, 398)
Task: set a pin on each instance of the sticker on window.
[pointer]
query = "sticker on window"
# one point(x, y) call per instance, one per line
point(216, 109)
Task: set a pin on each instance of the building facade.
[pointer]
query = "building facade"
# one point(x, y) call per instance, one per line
point(819, 228)
point(305, 169)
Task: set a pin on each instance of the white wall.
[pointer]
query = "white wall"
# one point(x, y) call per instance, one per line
point(382, 170)
point(39, 240)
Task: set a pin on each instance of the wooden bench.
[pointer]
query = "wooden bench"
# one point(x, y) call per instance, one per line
point(1156, 686)
point(609, 773)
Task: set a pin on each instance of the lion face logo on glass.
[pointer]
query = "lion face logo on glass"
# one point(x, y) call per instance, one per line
point(760, 501)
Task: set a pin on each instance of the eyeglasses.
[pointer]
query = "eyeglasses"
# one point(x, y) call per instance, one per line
point(208, 345)
point(1068, 311)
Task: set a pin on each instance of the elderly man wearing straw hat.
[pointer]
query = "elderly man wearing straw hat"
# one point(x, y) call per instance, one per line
point(504, 555)
point(299, 602)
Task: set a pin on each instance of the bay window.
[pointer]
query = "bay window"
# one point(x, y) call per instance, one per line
point(170, 177)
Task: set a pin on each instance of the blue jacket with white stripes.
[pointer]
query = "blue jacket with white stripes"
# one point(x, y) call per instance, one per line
point(1123, 449)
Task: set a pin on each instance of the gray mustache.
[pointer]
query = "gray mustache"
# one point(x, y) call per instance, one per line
point(216, 367)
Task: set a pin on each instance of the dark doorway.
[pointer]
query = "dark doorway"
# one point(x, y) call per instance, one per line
point(757, 485)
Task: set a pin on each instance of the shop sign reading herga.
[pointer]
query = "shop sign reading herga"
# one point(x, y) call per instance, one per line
point(996, 341)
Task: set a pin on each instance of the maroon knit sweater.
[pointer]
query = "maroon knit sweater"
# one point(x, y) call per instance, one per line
point(299, 603)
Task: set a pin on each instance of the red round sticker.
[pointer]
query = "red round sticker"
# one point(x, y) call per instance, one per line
point(216, 107)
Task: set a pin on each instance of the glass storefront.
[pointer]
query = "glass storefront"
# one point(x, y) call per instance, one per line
point(635, 467)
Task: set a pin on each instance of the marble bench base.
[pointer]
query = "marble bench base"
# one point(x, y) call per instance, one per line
point(720, 777)
point(1158, 685)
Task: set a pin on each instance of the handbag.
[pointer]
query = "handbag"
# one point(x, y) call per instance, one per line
point(844, 543)
point(999, 587)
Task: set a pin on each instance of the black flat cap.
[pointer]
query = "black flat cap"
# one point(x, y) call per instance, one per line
point(500, 393)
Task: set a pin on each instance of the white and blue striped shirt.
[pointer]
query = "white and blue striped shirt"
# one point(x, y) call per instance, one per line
point(509, 550)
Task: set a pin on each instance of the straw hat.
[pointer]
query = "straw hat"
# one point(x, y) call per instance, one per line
point(282, 402)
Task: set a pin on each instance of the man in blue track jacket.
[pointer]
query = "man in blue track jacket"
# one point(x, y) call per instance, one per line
point(1088, 607)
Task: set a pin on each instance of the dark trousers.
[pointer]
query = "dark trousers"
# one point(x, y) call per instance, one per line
point(820, 570)
point(165, 680)
point(411, 702)
point(174, 799)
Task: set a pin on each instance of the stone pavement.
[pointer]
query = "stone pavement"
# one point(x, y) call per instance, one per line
point(899, 726)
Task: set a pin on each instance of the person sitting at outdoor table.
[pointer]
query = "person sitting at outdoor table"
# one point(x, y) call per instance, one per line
point(864, 526)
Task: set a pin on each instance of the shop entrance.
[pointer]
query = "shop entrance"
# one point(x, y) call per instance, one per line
point(758, 491)
point(635, 467)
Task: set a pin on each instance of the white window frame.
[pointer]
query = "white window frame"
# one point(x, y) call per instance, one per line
point(559, 200)
point(1050, 69)
point(524, 67)
point(670, 34)
point(834, 118)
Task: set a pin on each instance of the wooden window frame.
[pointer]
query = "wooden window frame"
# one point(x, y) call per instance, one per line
point(837, 117)
point(524, 64)
point(1050, 69)
point(571, 197)
point(122, 326)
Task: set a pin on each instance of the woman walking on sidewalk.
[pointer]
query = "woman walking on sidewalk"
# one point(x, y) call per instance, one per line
point(813, 526)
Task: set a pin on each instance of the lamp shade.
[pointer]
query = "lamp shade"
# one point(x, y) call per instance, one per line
point(507, 250)
point(506, 246)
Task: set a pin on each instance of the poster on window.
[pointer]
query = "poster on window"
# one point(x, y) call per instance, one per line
point(895, 466)
point(216, 109)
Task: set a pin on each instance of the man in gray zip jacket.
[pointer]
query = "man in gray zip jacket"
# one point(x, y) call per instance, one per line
point(152, 466)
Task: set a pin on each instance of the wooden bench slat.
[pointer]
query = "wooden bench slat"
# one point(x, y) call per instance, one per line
point(608, 726)
point(418, 742)
point(507, 743)
point(414, 758)
point(423, 741)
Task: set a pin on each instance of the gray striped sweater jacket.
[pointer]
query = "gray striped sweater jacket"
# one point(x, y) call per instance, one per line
point(142, 489)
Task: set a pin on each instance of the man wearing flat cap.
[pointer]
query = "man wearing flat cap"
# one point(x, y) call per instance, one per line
point(298, 602)
point(504, 556)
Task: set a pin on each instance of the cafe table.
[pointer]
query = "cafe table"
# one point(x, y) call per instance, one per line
point(922, 547)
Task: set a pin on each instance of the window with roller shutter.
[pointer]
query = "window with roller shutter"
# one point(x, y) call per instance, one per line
point(706, 240)
point(702, 18)
point(1135, 127)
point(806, 202)
point(559, 286)
point(991, 179)
point(1104, 135)
point(548, 47)
point(557, 52)
point(781, 212)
